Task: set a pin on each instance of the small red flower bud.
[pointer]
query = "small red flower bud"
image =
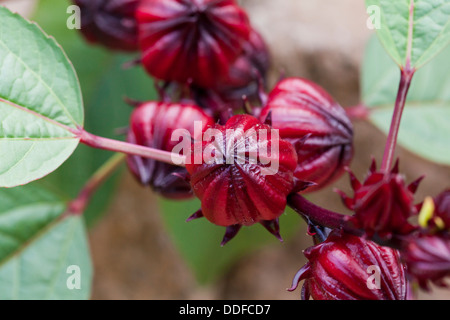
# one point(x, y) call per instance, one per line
point(316, 125)
point(428, 259)
point(346, 267)
point(191, 40)
point(244, 177)
point(152, 125)
point(382, 203)
point(110, 23)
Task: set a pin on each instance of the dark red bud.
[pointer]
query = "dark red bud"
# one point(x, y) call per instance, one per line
point(243, 185)
point(152, 125)
point(251, 65)
point(428, 259)
point(246, 78)
point(191, 40)
point(346, 267)
point(111, 23)
point(299, 108)
point(382, 203)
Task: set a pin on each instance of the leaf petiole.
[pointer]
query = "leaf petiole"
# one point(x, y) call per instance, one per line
point(129, 148)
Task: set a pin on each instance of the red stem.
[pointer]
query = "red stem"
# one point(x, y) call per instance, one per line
point(333, 220)
point(131, 149)
point(316, 214)
point(78, 205)
point(405, 83)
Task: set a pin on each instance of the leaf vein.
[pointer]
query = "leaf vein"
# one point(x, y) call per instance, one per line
point(40, 80)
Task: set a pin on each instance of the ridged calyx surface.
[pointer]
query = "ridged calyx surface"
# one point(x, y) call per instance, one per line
point(428, 259)
point(341, 268)
point(383, 203)
point(308, 117)
point(245, 175)
point(191, 40)
point(111, 23)
point(152, 125)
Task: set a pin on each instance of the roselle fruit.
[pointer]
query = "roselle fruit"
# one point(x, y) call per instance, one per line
point(238, 183)
point(383, 203)
point(250, 66)
point(315, 125)
point(427, 253)
point(191, 40)
point(152, 125)
point(111, 23)
point(428, 259)
point(346, 267)
point(246, 77)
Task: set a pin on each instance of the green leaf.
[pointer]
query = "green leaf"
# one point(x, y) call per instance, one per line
point(424, 128)
point(38, 245)
point(104, 84)
point(199, 241)
point(40, 102)
point(418, 34)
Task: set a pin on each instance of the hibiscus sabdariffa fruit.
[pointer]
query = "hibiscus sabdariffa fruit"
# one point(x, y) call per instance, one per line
point(246, 77)
point(382, 203)
point(111, 23)
point(244, 176)
point(347, 267)
point(152, 125)
point(318, 128)
point(427, 254)
point(428, 259)
point(191, 40)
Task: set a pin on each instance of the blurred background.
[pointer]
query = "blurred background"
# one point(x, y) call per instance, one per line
point(141, 252)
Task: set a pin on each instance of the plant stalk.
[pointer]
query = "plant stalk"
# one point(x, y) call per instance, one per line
point(131, 149)
point(78, 205)
point(405, 83)
point(333, 220)
point(316, 214)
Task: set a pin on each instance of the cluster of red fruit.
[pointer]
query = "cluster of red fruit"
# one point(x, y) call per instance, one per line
point(210, 64)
